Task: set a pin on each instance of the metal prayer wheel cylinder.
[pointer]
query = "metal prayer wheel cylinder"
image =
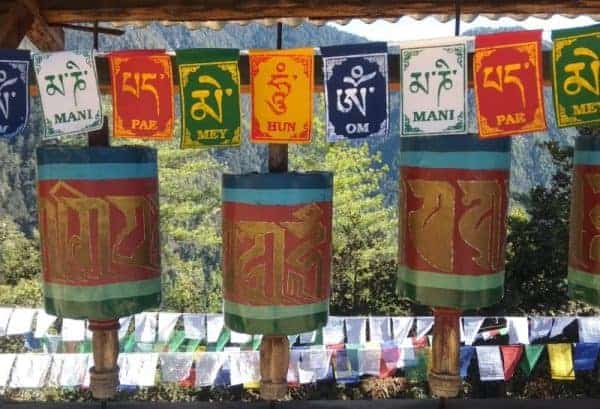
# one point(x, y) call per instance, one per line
point(99, 234)
point(584, 226)
point(277, 252)
point(453, 205)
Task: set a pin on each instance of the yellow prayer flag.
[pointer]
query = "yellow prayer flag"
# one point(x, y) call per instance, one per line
point(281, 84)
point(561, 362)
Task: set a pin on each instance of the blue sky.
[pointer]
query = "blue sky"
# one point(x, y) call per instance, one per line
point(408, 28)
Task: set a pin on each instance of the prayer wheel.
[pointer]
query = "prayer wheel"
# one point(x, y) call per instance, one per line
point(276, 261)
point(452, 233)
point(99, 234)
point(584, 226)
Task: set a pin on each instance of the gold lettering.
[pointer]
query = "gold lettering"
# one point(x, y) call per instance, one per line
point(574, 83)
point(503, 76)
point(594, 182)
point(140, 83)
point(432, 225)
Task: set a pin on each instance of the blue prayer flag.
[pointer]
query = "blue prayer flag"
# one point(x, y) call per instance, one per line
point(466, 355)
point(356, 90)
point(585, 356)
point(14, 91)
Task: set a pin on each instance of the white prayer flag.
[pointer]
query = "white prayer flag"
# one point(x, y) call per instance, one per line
point(43, 323)
point(244, 367)
point(424, 325)
point(434, 87)
point(137, 369)
point(402, 327)
point(292, 339)
point(239, 338)
point(518, 330)
point(208, 365)
point(88, 332)
point(30, 371)
point(214, 326)
point(380, 329)
point(369, 360)
point(175, 366)
point(69, 92)
point(53, 380)
point(21, 321)
point(5, 314)
point(293, 375)
point(539, 327)
point(166, 325)
point(314, 365)
point(559, 325)
point(145, 327)
point(73, 371)
point(489, 360)
point(90, 364)
point(53, 345)
point(124, 326)
point(308, 337)
point(333, 332)
point(356, 330)
point(73, 330)
point(6, 365)
point(469, 329)
point(589, 329)
point(194, 326)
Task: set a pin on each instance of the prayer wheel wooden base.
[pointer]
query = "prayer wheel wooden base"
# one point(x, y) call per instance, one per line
point(104, 375)
point(274, 362)
point(444, 378)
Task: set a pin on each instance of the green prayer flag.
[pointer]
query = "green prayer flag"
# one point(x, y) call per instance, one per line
point(418, 373)
point(209, 84)
point(530, 358)
point(129, 343)
point(575, 79)
point(85, 347)
point(176, 340)
point(192, 345)
point(256, 341)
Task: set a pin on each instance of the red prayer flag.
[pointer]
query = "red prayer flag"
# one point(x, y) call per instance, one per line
point(511, 355)
point(142, 83)
point(507, 77)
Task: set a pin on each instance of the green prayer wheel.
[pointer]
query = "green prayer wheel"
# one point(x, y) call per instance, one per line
point(98, 221)
point(277, 251)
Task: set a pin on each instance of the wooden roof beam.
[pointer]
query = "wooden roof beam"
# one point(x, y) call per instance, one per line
point(44, 37)
point(14, 25)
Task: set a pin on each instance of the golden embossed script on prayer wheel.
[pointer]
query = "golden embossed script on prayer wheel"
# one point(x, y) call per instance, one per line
point(98, 221)
point(452, 206)
point(276, 261)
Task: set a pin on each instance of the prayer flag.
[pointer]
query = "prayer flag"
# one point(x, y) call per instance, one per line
point(507, 77)
point(530, 358)
point(559, 325)
point(21, 321)
point(137, 369)
point(69, 91)
point(208, 366)
point(346, 365)
point(5, 314)
point(124, 326)
point(466, 356)
point(356, 330)
point(419, 371)
point(511, 354)
point(14, 91)
point(401, 327)
point(424, 325)
point(175, 367)
point(314, 365)
point(589, 329)
point(434, 87)
point(73, 330)
point(469, 328)
point(380, 329)
point(281, 84)
point(6, 365)
point(561, 362)
point(333, 332)
point(73, 370)
point(209, 84)
point(390, 355)
point(490, 363)
point(369, 359)
point(145, 327)
point(214, 326)
point(586, 356)
point(518, 330)
point(244, 367)
point(356, 90)
point(194, 326)
point(539, 327)
point(166, 325)
point(575, 78)
point(142, 86)
point(30, 370)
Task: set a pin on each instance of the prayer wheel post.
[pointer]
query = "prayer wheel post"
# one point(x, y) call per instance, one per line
point(274, 350)
point(104, 375)
point(444, 379)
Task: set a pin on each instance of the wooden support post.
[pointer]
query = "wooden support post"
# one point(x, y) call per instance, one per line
point(275, 349)
point(44, 37)
point(104, 375)
point(14, 25)
point(444, 378)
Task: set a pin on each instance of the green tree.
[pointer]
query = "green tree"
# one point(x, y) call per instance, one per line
point(19, 256)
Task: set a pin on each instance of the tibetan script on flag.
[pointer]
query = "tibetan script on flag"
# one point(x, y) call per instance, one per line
point(142, 84)
point(14, 91)
point(507, 76)
point(69, 91)
point(356, 90)
point(281, 84)
point(210, 97)
point(576, 75)
point(434, 87)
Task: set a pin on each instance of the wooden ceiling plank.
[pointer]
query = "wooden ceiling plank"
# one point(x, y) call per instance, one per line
point(44, 37)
